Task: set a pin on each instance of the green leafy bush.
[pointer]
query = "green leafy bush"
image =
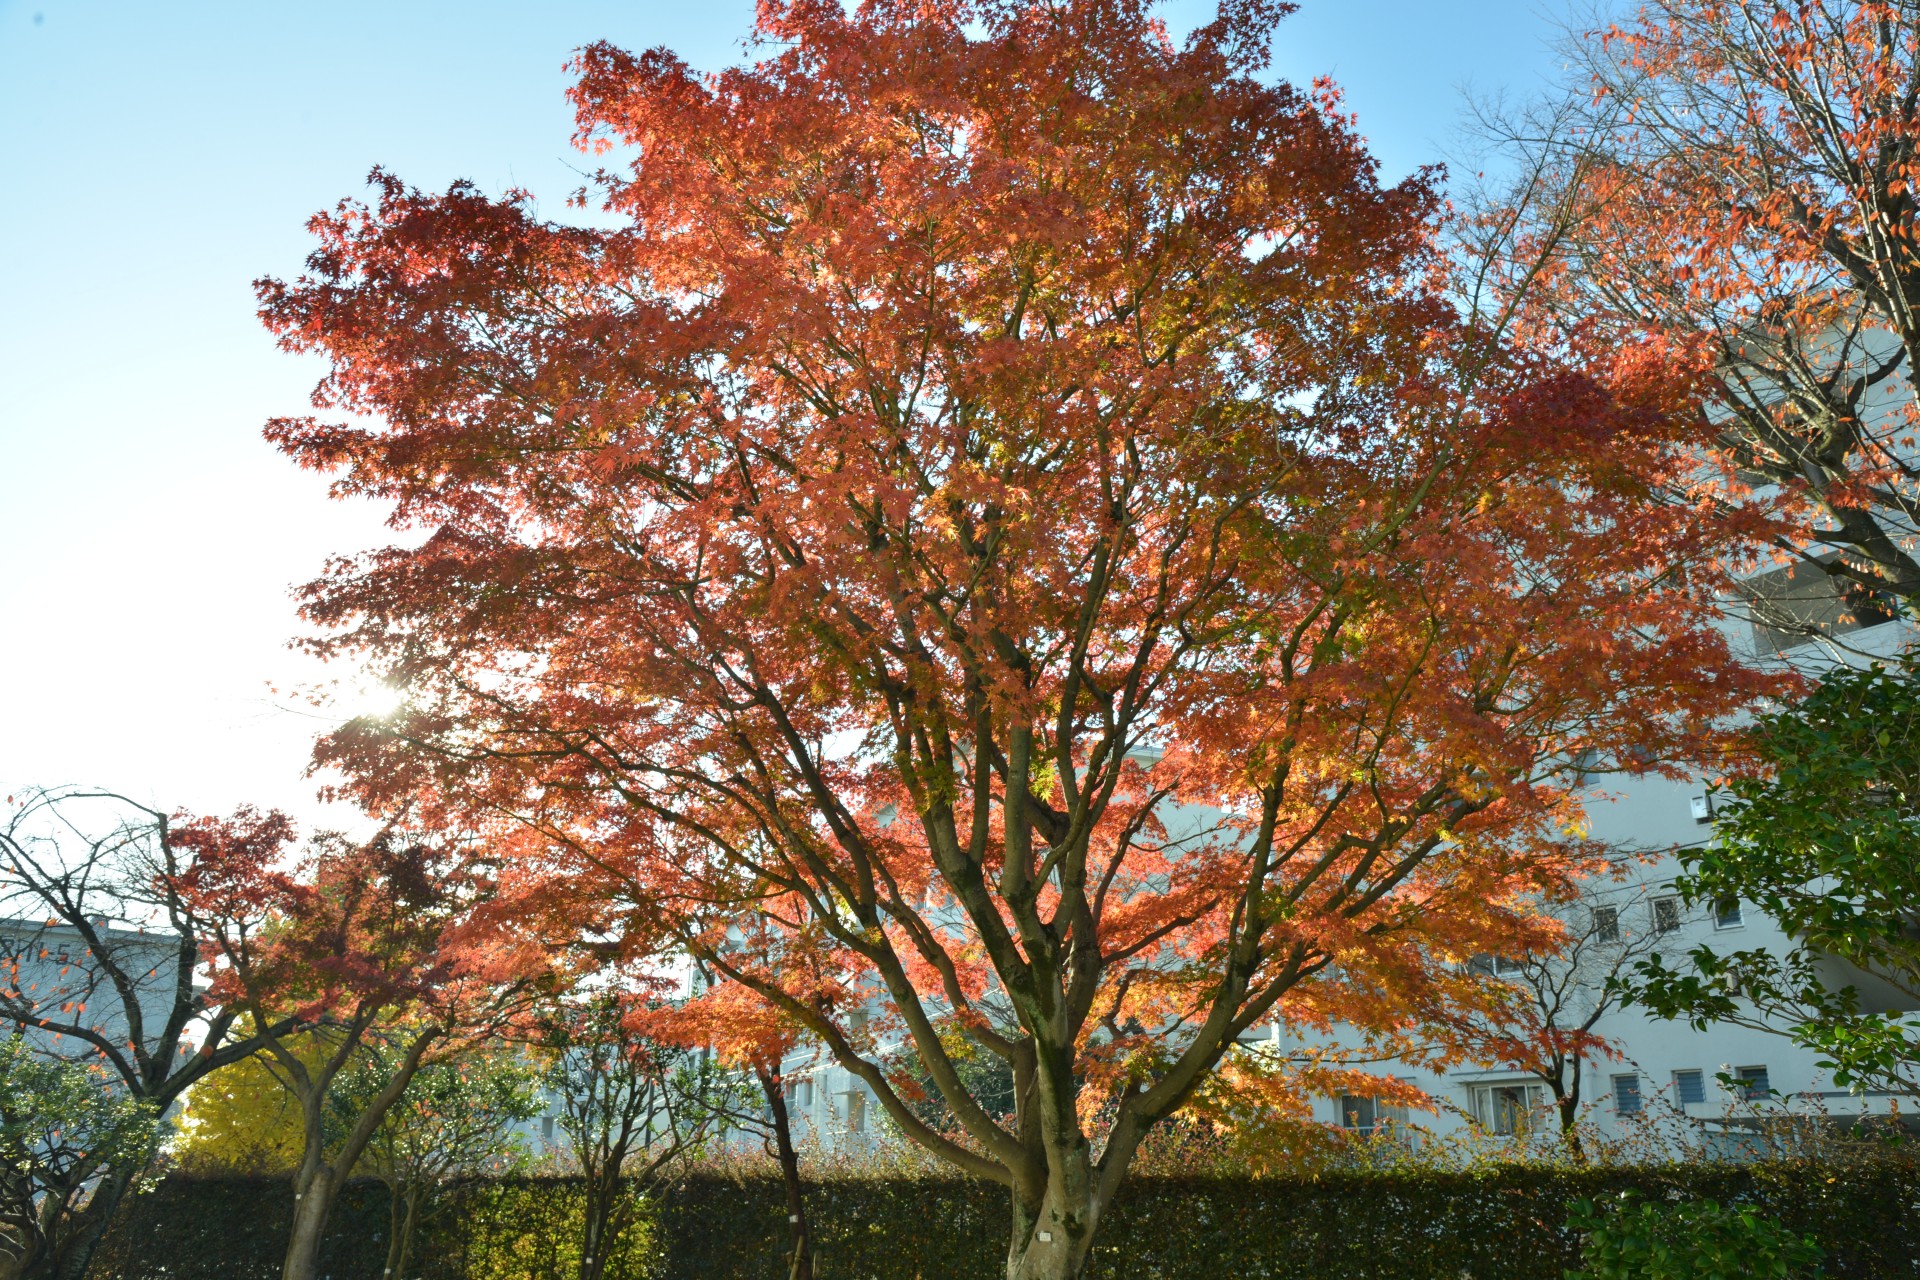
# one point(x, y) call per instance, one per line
point(1823, 836)
point(1634, 1239)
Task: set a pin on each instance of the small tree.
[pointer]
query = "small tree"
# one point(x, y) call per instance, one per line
point(99, 966)
point(746, 1033)
point(1821, 831)
point(1545, 1003)
point(63, 1125)
point(627, 1108)
point(454, 1120)
point(391, 930)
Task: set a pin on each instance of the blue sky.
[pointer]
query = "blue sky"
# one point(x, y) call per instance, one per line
point(156, 157)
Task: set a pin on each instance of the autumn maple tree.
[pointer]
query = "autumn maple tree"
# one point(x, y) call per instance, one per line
point(1741, 176)
point(326, 947)
point(1003, 540)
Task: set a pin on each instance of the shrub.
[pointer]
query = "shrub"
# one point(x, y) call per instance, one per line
point(1498, 1223)
point(1698, 1240)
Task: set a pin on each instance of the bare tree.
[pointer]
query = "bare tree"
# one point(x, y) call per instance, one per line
point(1551, 1002)
point(98, 965)
point(1743, 177)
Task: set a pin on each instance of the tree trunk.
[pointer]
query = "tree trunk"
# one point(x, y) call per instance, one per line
point(37, 1259)
point(94, 1221)
point(403, 1218)
point(395, 1213)
point(1567, 1098)
point(1570, 1127)
point(599, 1226)
point(312, 1201)
point(1051, 1239)
point(801, 1267)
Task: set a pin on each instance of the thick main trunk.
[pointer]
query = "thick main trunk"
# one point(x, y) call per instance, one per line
point(1053, 1229)
point(312, 1202)
point(35, 1229)
point(1053, 1235)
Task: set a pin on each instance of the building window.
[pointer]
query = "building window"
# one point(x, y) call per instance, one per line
point(1626, 1093)
point(1507, 964)
point(1689, 1087)
point(803, 1094)
point(856, 1111)
point(1666, 915)
point(546, 1131)
point(1585, 765)
point(1606, 924)
point(1369, 1115)
point(1750, 1083)
point(1507, 1108)
point(1727, 914)
point(1359, 1114)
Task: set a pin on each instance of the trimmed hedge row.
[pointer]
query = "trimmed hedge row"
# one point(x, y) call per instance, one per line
point(1503, 1224)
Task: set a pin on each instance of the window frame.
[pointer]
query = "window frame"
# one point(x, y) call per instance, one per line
point(1606, 924)
point(1505, 1116)
point(1745, 1079)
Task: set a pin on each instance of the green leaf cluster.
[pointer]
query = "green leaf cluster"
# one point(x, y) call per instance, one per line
point(62, 1125)
point(1824, 837)
point(1633, 1239)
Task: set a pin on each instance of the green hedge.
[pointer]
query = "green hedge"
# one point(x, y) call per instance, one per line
point(1505, 1224)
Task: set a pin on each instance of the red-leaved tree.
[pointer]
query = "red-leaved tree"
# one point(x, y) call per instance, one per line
point(1003, 541)
point(393, 935)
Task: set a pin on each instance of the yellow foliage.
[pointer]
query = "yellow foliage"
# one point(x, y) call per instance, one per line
point(242, 1119)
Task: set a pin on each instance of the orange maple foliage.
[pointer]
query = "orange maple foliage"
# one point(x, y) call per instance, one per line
point(1001, 534)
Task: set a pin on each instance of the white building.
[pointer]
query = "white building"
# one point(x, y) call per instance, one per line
point(1667, 1066)
point(50, 975)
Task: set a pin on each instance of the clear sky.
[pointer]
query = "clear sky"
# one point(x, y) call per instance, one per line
point(158, 155)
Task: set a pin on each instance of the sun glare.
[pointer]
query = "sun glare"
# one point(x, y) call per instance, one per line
point(374, 700)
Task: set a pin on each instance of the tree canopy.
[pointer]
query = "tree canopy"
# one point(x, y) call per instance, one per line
point(1002, 529)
